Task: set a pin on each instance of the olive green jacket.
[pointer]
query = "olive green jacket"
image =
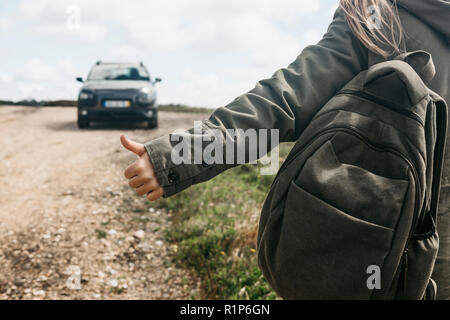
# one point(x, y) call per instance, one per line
point(293, 95)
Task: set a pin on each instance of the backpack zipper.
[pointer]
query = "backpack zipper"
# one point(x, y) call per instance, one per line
point(383, 103)
point(357, 134)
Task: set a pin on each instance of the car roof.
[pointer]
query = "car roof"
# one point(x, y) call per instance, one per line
point(128, 64)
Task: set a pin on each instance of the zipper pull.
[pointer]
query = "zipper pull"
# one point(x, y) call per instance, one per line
point(405, 268)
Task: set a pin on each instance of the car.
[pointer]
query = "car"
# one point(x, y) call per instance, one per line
point(120, 92)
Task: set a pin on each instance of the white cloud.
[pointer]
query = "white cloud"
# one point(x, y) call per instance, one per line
point(89, 31)
point(312, 36)
point(124, 52)
point(5, 24)
point(57, 18)
point(254, 30)
point(38, 80)
point(333, 9)
point(210, 89)
point(249, 26)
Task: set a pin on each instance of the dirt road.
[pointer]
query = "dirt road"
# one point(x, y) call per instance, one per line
point(69, 225)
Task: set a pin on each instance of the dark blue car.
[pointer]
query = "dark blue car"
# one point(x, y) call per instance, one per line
point(120, 92)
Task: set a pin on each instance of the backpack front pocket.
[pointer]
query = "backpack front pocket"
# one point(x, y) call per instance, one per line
point(337, 227)
point(353, 189)
point(324, 253)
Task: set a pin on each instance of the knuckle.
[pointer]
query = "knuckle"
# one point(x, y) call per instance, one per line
point(147, 178)
point(153, 184)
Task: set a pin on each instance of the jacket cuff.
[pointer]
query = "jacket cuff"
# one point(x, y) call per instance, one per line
point(159, 151)
point(172, 178)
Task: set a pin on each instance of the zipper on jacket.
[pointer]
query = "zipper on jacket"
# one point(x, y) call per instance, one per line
point(383, 103)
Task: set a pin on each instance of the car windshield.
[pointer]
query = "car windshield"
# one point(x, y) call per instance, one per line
point(118, 72)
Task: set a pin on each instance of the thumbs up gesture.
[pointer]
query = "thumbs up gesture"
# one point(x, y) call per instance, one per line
point(141, 174)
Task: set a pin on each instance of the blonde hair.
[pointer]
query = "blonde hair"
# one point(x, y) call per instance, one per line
point(376, 24)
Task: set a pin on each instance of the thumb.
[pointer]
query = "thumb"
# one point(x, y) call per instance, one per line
point(137, 148)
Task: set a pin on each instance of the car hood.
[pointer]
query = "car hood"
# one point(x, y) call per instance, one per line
point(116, 85)
point(435, 13)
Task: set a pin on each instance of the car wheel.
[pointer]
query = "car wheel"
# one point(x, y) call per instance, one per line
point(83, 124)
point(152, 124)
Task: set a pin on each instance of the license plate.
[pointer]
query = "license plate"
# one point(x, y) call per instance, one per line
point(117, 104)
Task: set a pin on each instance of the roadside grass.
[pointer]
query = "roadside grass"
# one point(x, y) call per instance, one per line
point(214, 232)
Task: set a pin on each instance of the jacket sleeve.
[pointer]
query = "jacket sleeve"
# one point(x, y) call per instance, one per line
point(286, 102)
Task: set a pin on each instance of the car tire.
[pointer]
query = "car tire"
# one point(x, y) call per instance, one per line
point(152, 124)
point(83, 124)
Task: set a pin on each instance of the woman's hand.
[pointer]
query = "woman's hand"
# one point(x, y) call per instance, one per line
point(141, 174)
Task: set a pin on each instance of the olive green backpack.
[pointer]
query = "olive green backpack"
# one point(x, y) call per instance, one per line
point(352, 212)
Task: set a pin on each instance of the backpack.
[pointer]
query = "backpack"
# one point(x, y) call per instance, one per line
point(352, 212)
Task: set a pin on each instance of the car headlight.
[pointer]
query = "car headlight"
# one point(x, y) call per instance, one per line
point(146, 96)
point(85, 95)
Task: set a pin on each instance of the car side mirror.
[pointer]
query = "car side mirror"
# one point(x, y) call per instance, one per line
point(80, 79)
point(157, 80)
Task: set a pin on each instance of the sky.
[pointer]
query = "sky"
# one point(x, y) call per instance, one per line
point(207, 52)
